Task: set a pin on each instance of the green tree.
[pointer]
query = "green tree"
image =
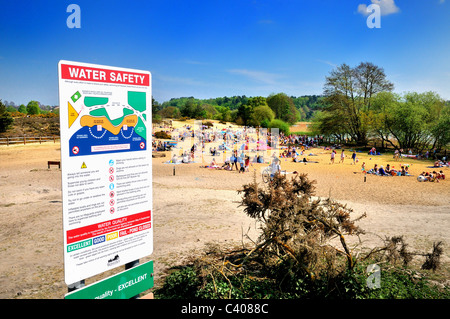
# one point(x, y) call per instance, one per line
point(348, 94)
point(6, 119)
point(440, 130)
point(33, 108)
point(22, 109)
point(188, 109)
point(283, 107)
point(170, 112)
point(281, 125)
point(414, 120)
point(262, 114)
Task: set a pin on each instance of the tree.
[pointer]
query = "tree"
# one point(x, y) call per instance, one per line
point(22, 109)
point(33, 108)
point(6, 119)
point(440, 131)
point(283, 107)
point(262, 113)
point(188, 109)
point(170, 112)
point(279, 124)
point(414, 120)
point(11, 109)
point(348, 93)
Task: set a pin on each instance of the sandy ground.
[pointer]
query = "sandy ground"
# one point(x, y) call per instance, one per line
point(198, 206)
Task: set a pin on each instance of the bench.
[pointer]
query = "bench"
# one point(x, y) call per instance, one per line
point(54, 163)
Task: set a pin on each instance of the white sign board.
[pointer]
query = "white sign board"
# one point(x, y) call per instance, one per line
point(106, 167)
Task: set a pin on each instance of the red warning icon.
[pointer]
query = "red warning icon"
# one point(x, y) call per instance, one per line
point(111, 194)
point(142, 145)
point(75, 150)
point(111, 202)
point(112, 210)
point(111, 178)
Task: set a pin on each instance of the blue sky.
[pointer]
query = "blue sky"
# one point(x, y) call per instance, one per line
point(216, 48)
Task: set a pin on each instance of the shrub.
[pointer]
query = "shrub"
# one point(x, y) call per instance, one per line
point(181, 284)
point(294, 256)
point(282, 126)
point(162, 135)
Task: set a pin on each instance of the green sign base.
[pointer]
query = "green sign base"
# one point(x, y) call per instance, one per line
point(124, 285)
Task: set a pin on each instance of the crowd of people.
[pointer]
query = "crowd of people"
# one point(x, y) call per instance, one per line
point(236, 145)
point(386, 171)
point(431, 177)
point(233, 161)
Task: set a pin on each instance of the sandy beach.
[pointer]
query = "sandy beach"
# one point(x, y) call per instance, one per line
point(197, 206)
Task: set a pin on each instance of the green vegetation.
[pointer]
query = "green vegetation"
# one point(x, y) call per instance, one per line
point(294, 257)
point(33, 108)
point(243, 110)
point(6, 119)
point(361, 107)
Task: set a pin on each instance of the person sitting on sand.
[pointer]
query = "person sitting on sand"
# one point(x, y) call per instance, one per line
point(388, 169)
point(213, 163)
point(381, 171)
point(438, 164)
point(226, 166)
point(373, 170)
point(185, 158)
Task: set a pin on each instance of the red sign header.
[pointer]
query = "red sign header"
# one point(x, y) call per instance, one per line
point(84, 73)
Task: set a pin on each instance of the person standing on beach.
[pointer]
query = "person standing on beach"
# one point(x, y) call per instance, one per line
point(233, 160)
point(333, 153)
point(354, 157)
point(342, 157)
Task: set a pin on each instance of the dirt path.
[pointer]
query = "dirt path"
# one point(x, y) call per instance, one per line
point(193, 208)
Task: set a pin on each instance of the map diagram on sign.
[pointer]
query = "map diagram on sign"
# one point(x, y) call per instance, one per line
point(104, 125)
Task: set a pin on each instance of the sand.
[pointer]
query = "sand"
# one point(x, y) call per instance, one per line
point(198, 206)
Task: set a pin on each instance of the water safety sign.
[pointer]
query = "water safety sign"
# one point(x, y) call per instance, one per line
point(106, 167)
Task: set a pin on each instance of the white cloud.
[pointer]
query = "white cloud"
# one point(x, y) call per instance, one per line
point(327, 62)
point(260, 76)
point(387, 7)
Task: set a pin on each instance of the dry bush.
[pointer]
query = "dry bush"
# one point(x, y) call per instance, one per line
point(298, 228)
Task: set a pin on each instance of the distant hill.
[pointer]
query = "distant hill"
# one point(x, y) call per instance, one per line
point(35, 125)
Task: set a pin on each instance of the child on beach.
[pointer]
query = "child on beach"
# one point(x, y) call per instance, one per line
point(342, 157)
point(354, 157)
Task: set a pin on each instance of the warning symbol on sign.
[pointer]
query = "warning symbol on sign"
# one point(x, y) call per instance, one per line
point(83, 165)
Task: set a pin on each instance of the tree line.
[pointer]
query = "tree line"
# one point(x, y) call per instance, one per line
point(360, 106)
point(276, 110)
